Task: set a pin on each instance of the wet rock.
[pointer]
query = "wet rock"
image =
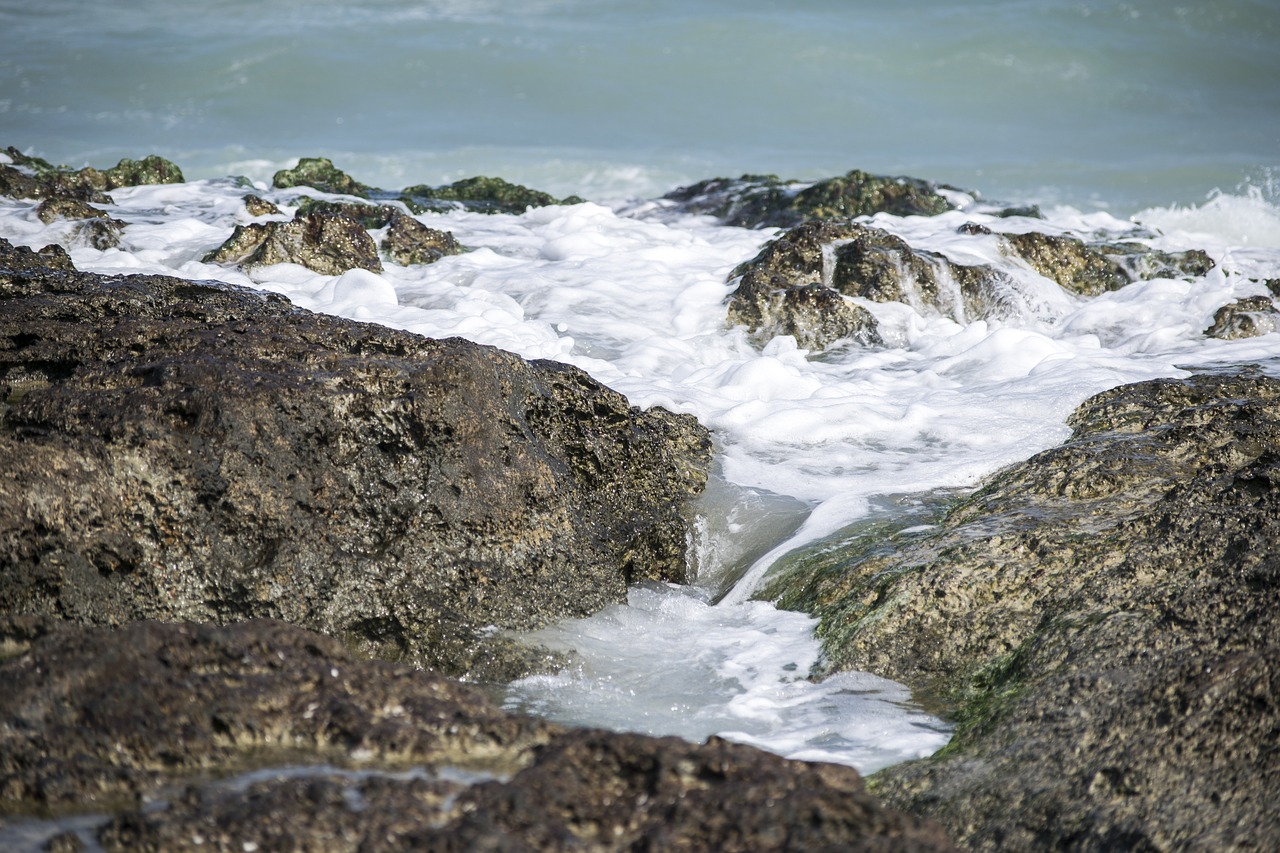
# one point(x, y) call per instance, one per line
point(326, 243)
point(480, 194)
point(151, 723)
point(319, 173)
point(256, 205)
point(1093, 269)
point(1245, 318)
point(98, 229)
point(32, 177)
point(756, 201)
point(1101, 620)
point(175, 450)
point(407, 240)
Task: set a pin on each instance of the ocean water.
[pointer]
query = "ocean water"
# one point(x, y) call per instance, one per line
point(1137, 120)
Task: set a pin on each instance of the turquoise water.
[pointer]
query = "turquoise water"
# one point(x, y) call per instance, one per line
point(1100, 104)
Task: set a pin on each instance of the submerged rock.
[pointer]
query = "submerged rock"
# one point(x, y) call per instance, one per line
point(97, 229)
point(758, 201)
point(407, 240)
point(176, 450)
point(1102, 621)
point(1245, 318)
point(326, 243)
point(148, 724)
point(1093, 269)
point(480, 194)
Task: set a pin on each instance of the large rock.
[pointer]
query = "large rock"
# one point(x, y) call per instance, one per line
point(1101, 619)
point(323, 242)
point(171, 732)
point(1092, 269)
point(758, 201)
point(32, 177)
point(178, 450)
point(480, 194)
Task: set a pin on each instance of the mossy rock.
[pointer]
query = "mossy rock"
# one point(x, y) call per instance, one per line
point(480, 194)
point(319, 173)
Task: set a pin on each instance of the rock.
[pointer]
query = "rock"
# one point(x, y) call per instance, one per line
point(173, 731)
point(175, 450)
point(1090, 270)
point(319, 173)
point(42, 180)
point(327, 243)
point(756, 201)
point(1101, 620)
point(1245, 318)
point(479, 194)
point(98, 230)
point(407, 240)
point(149, 170)
point(256, 205)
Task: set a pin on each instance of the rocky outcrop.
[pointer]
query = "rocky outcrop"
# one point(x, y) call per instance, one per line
point(1245, 318)
point(326, 243)
point(481, 195)
point(801, 282)
point(32, 177)
point(1101, 619)
point(319, 173)
point(176, 450)
point(760, 201)
point(149, 725)
point(407, 240)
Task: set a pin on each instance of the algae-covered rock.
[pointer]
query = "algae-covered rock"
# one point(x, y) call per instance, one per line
point(480, 194)
point(756, 201)
point(1245, 318)
point(1092, 269)
point(327, 243)
point(319, 173)
point(256, 205)
point(263, 736)
point(149, 170)
point(175, 450)
point(1101, 620)
point(407, 240)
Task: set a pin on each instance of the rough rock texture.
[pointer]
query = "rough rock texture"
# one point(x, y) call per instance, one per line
point(319, 173)
point(174, 450)
point(31, 177)
point(797, 283)
point(327, 243)
point(1245, 318)
point(756, 201)
point(1102, 619)
point(256, 205)
point(479, 194)
point(407, 240)
point(158, 712)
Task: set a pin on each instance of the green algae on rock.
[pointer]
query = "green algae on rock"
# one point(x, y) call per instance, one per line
point(480, 194)
point(1101, 620)
point(326, 243)
point(319, 173)
point(32, 177)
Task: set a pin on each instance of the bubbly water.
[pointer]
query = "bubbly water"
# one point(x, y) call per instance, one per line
point(1121, 119)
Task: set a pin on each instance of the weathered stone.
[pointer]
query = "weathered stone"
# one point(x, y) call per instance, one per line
point(408, 241)
point(1101, 619)
point(42, 180)
point(327, 243)
point(52, 209)
point(1245, 318)
point(149, 170)
point(150, 722)
point(756, 201)
point(319, 173)
point(480, 194)
point(256, 205)
point(175, 450)
point(1093, 269)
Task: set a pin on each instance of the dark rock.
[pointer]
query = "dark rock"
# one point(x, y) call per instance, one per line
point(175, 450)
point(98, 230)
point(256, 205)
point(1093, 269)
point(1101, 619)
point(480, 194)
point(148, 170)
point(327, 243)
point(756, 201)
point(42, 180)
point(319, 173)
point(1245, 318)
point(407, 241)
point(150, 721)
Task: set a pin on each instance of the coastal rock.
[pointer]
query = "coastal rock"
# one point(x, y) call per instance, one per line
point(43, 180)
point(760, 201)
point(1101, 620)
point(1245, 318)
point(172, 732)
point(256, 205)
point(407, 240)
point(1090, 270)
point(480, 194)
point(177, 450)
point(319, 173)
point(326, 243)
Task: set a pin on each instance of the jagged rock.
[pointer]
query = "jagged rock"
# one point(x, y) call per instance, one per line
point(43, 180)
point(407, 240)
point(1245, 318)
point(256, 205)
point(149, 724)
point(327, 243)
point(319, 173)
point(756, 201)
point(98, 230)
point(1101, 619)
point(149, 170)
point(1090, 270)
point(176, 450)
point(480, 194)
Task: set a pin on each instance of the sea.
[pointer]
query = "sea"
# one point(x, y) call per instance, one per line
point(1145, 120)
